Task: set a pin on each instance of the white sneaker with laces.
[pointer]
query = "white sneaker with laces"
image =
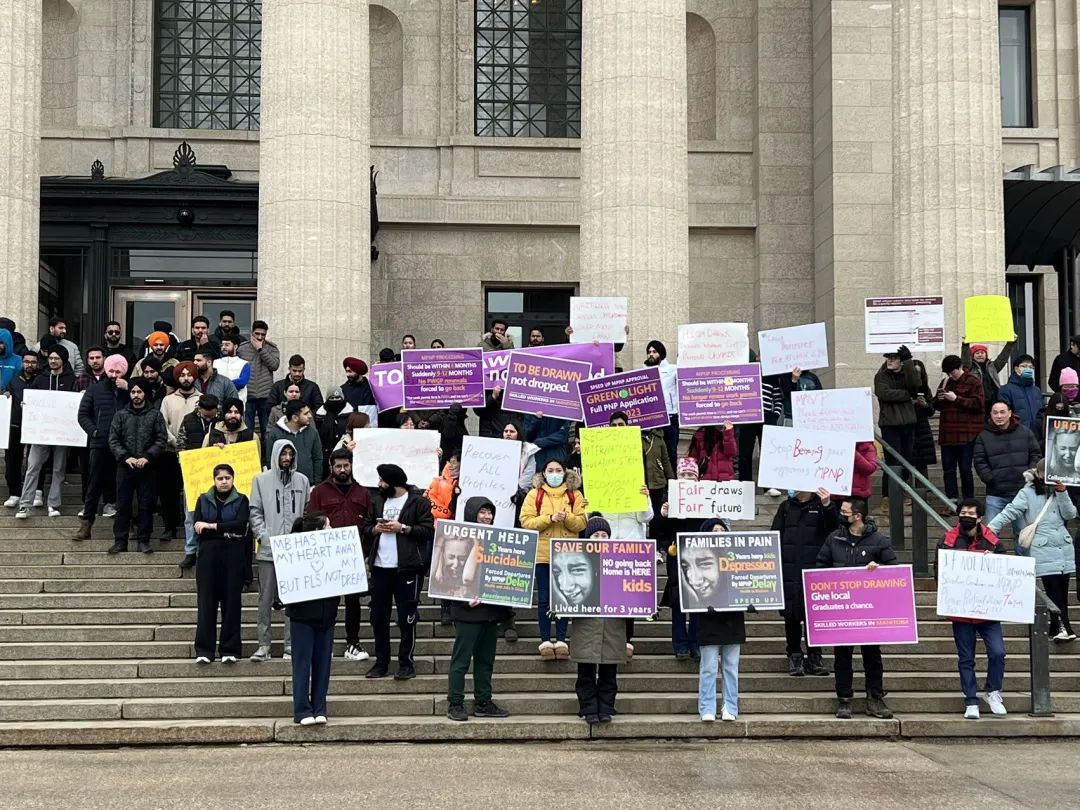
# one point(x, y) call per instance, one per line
point(355, 652)
point(109, 510)
point(23, 513)
point(307, 721)
point(39, 499)
point(12, 501)
point(971, 713)
point(708, 718)
point(320, 719)
point(773, 492)
point(726, 716)
point(54, 512)
point(202, 660)
point(228, 659)
point(287, 657)
point(996, 704)
point(1061, 636)
point(81, 513)
point(1070, 635)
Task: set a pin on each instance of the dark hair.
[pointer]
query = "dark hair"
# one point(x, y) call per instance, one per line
point(297, 360)
point(200, 319)
point(405, 416)
point(356, 421)
point(207, 353)
point(1024, 358)
point(230, 338)
point(560, 461)
point(440, 341)
point(56, 321)
point(226, 467)
point(260, 325)
point(94, 349)
point(618, 415)
point(208, 402)
point(920, 366)
point(1000, 402)
point(539, 329)
point(971, 502)
point(341, 454)
point(28, 352)
point(292, 408)
point(225, 312)
point(311, 522)
point(859, 505)
point(495, 321)
point(408, 336)
point(950, 363)
point(111, 323)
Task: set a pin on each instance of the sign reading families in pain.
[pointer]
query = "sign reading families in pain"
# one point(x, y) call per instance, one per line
point(991, 587)
point(52, 418)
point(613, 578)
point(732, 500)
point(729, 571)
point(319, 564)
point(197, 467)
point(490, 563)
point(1063, 450)
point(803, 460)
point(599, 319)
point(849, 606)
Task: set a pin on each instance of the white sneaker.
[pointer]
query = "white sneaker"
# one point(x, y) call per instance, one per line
point(307, 721)
point(708, 718)
point(1061, 636)
point(996, 704)
point(971, 713)
point(228, 659)
point(773, 492)
point(1070, 635)
point(12, 501)
point(23, 513)
point(81, 513)
point(356, 652)
point(39, 500)
point(54, 512)
point(260, 655)
point(320, 719)
point(109, 510)
point(287, 657)
point(726, 716)
point(202, 660)
point(629, 650)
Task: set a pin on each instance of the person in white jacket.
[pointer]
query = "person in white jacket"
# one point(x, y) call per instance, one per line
point(233, 367)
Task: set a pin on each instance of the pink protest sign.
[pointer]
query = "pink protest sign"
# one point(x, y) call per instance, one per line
point(850, 606)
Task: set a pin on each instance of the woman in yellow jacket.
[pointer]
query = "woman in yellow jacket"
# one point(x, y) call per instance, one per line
point(554, 507)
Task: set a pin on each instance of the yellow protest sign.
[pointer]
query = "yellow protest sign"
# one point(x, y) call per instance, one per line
point(612, 469)
point(988, 319)
point(197, 467)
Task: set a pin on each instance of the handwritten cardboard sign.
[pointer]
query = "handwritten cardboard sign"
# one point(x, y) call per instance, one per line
point(803, 460)
point(992, 587)
point(601, 319)
point(802, 346)
point(612, 469)
point(493, 564)
point(841, 410)
point(732, 500)
point(489, 467)
point(319, 564)
point(197, 467)
point(52, 418)
point(415, 451)
point(713, 344)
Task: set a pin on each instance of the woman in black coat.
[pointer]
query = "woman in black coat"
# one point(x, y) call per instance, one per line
point(721, 635)
point(925, 455)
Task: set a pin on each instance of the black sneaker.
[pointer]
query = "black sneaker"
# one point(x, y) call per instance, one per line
point(682, 655)
point(876, 707)
point(188, 561)
point(405, 674)
point(167, 535)
point(813, 665)
point(457, 712)
point(117, 547)
point(592, 719)
point(490, 709)
point(795, 665)
point(605, 718)
point(695, 653)
point(144, 547)
point(843, 709)
point(378, 671)
point(511, 635)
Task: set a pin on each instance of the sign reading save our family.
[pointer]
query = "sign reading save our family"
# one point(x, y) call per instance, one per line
point(792, 347)
point(544, 384)
point(319, 564)
point(638, 393)
point(849, 606)
point(492, 564)
point(611, 469)
point(729, 571)
point(990, 587)
point(612, 578)
point(197, 467)
point(438, 378)
point(803, 460)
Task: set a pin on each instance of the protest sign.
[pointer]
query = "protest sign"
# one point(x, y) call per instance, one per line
point(803, 346)
point(415, 451)
point(601, 319)
point(197, 467)
point(603, 578)
point(712, 395)
point(319, 564)
point(733, 500)
point(5, 421)
point(612, 470)
point(803, 460)
point(841, 410)
point(545, 384)
point(637, 393)
point(52, 418)
point(850, 606)
point(991, 587)
point(438, 378)
point(713, 344)
point(489, 467)
point(386, 381)
point(599, 356)
point(1063, 450)
point(491, 563)
point(988, 319)
point(917, 322)
point(729, 571)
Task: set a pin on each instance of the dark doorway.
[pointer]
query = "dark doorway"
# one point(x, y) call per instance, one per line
point(524, 309)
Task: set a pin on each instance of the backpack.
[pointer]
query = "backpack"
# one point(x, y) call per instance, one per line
point(540, 498)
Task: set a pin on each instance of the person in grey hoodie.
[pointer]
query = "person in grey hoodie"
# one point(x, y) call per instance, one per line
point(278, 497)
point(296, 426)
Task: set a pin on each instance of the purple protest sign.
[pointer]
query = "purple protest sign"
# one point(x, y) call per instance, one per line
point(547, 384)
point(603, 578)
point(638, 393)
point(849, 606)
point(439, 378)
point(600, 356)
point(712, 395)
point(385, 380)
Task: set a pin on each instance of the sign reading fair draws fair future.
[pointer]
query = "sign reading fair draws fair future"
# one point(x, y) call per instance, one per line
point(792, 347)
point(600, 319)
point(803, 460)
point(917, 322)
point(991, 587)
point(733, 500)
point(319, 564)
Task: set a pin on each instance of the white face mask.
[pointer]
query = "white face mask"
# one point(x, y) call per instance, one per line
point(554, 479)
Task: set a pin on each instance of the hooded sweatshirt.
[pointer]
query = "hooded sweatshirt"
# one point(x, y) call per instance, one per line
point(461, 611)
point(309, 455)
point(10, 362)
point(278, 497)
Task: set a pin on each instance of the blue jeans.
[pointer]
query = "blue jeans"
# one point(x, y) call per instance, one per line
point(191, 540)
point(543, 601)
point(312, 649)
point(964, 634)
point(994, 507)
point(711, 657)
point(960, 455)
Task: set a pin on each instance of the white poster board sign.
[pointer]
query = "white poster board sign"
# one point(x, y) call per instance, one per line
point(600, 319)
point(489, 467)
point(840, 410)
point(52, 418)
point(993, 587)
point(713, 344)
point(415, 451)
point(319, 564)
point(5, 421)
point(733, 500)
point(803, 460)
point(803, 346)
point(917, 322)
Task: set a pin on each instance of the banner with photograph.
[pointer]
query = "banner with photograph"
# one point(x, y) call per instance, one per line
point(729, 571)
point(197, 468)
point(989, 587)
point(603, 578)
point(637, 393)
point(1062, 450)
point(493, 564)
point(415, 451)
point(731, 500)
point(438, 378)
point(803, 460)
point(850, 606)
point(52, 418)
point(319, 564)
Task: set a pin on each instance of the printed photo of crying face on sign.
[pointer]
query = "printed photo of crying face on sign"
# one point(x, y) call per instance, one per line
point(1063, 450)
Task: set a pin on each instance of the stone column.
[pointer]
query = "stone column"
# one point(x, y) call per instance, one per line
point(314, 217)
point(947, 191)
point(20, 176)
point(634, 229)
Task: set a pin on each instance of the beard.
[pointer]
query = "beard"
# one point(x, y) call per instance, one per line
point(651, 362)
point(186, 385)
point(343, 478)
point(232, 424)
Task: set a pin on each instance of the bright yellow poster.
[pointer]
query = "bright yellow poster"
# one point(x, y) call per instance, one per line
point(988, 319)
point(612, 469)
point(197, 467)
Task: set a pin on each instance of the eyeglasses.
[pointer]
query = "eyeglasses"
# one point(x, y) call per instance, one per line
point(113, 332)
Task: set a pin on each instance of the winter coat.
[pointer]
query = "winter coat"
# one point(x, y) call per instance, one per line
point(719, 627)
point(231, 516)
point(319, 613)
point(350, 508)
point(988, 371)
point(491, 416)
point(310, 394)
point(277, 499)
point(895, 392)
point(862, 481)
point(1003, 454)
point(238, 371)
point(717, 463)
point(358, 393)
point(189, 348)
point(543, 501)
point(412, 547)
point(98, 406)
point(1052, 547)
point(598, 641)
point(984, 541)
point(492, 345)
point(842, 549)
point(74, 357)
point(630, 525)
point(1025, 399)
point(166, 364)
point(218, 385)
point(174, 407)
point(961, 420)
point(10, 362)
point(138, 433)
point(480, 614)
point(18, 341)
point(808, 381)
point(1063, 361)
point(220, 434)
point(47, 381)
point(442, 493)
point(309, 455)
point(193, 431)
point(17, 389)
point(658, 469)
point(925, 454)
point(550, 435)
point(803, 527)
point(264, 362)
point(669, 384)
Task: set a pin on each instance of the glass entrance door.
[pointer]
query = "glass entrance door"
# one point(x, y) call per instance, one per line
point(211, 305)
point(137, 310)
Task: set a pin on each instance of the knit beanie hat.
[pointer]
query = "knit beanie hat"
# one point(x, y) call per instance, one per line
point(1068, 377)
point(687, 465)
point(597, 524)
point(979, 347)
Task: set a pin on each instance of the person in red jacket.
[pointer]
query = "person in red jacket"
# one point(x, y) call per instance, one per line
point(345, 503)
point(865, 467)
point(959, 401)
point(716, 450)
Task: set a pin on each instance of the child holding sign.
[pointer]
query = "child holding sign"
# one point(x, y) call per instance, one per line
point(721, 635)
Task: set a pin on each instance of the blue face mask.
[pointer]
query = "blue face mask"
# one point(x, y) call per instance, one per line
point(791, 493)
point(1027, 374)
point(554, 479)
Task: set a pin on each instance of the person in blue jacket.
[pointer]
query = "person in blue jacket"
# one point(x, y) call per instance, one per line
point(549, 434)
point(1022, 393)
point(10, 362)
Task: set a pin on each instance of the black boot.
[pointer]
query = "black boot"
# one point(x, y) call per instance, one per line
point(795, 665)
point(843, 709)
point(188, 561)
point(813, 665)
point(118, 546)
point(876, 706)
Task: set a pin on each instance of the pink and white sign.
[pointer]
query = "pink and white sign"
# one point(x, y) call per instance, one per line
point(850, 606)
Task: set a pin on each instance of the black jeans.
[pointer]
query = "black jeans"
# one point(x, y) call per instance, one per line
point(1057, 588)
point(100, 483)
point(170, 484)
point(404, 589)
point(138, 484)
point(596, 686)
point(746, 436)
point(219, 579)
point(872, 669)
point(13, 461)
point(352, 618)
point(794, 618)
point(963, 456)
point(671, 439)
point(903, 440)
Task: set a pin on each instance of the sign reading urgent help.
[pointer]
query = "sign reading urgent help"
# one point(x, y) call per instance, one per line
point(802, 346)
point(849, 606)
point(712, 395)
point(732, 500)
point(600, 319)
point(545, 384)
point(841, 410)
point(52, 418)
point(638, 393)
point(803, 460)
point(438, 378)
point(603, 578)
point(988, 319)
point(319, 564)
point(1063, 450)
point(197, 467)
point(490, 563)
point(612, 470)
point(729, 571)
point(990, 587)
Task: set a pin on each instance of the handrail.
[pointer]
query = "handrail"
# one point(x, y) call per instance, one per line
point(907, 465)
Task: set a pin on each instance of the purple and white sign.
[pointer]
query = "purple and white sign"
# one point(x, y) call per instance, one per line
point(712, 395)
point(849, 606)
point(603, 578)
point(638, 393)
point(385, 380)
point(439, 378)
point(599, 356)
point(545, 384)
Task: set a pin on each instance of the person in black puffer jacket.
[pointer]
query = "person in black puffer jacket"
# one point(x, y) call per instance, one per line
point(925, 454)
point(1003, 451)
point(98, 406)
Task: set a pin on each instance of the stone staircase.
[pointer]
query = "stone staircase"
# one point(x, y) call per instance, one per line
point(97, 650)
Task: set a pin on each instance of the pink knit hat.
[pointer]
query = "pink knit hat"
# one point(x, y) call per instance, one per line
point(1068, 377)
point(687, 465)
